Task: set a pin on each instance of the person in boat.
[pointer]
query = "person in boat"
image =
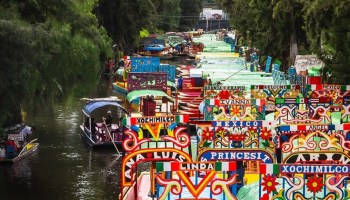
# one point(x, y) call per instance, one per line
point(11, 148)
point(108, 67)
point(180, 83)
point(93, 128)
point(26, 132)
point(208, 80)
point(108, 121)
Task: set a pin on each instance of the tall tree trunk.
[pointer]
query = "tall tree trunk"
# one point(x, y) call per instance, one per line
point(293, 45)
point(293, 49)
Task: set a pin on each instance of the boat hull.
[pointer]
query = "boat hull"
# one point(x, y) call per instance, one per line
point(120, 89)
point(85, 136)
point(26, 153)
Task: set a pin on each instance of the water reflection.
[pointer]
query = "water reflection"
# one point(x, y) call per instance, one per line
point(64, 168)
point(20, 173)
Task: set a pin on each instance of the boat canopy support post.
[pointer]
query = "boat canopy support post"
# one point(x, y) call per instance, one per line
point(153, 177)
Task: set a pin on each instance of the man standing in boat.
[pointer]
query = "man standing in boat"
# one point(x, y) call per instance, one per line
point(108, 121)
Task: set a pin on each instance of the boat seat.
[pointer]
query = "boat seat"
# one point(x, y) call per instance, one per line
point(10, 152)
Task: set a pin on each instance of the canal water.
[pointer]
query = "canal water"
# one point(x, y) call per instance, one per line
point(64, 168)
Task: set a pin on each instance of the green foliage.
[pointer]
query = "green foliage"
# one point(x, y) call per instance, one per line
point(167, 15)
point(274, 27)
point(190, 10)
point(327, 27)
point(47, 48)
point(144, 33)
point(124, 19)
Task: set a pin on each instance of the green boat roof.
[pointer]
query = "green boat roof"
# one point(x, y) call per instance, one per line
point(142, 93)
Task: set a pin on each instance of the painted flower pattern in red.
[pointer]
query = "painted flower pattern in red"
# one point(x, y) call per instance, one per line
point(314, 184)
point(207, 134)
point(265, 134)
point(269, 183)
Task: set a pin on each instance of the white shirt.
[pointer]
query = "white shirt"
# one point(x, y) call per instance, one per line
point(25, 131)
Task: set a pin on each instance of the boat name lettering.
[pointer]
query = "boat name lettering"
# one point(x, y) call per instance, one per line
point(232, 155)
point(331, 87)
point(317, 157)
point(275, 87)
point(197, 166)
point(224, 87)
point(327, 169)
point(146, 120)
point(235, 101)
point(239, 123)
point(16, 137)
point(318, 127)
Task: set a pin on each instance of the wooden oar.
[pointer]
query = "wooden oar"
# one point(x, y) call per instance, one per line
point(26, 146)
point(110, 136)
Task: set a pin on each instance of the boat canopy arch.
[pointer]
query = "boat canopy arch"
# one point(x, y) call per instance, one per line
point(91, 106)
point(142, 93)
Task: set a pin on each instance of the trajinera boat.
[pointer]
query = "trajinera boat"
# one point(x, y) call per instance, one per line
point(102, 133)
point(16, 146)
point(285, 138)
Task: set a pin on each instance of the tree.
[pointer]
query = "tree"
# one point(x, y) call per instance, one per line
point(46, 47)
point(272, 26)
point(190, 10)
point(327, 27)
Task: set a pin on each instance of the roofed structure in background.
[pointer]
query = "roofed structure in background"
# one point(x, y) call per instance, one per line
point(209, 13)
point(308, 63)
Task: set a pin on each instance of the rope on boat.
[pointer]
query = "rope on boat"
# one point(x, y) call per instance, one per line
point(233, 74)
point(109, 133)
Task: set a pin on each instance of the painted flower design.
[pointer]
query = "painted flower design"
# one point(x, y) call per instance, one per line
point(314, 184)
point(252, 130)
point(231, 137)
point(207, 134)
point(235, 111)
point(236, 137)
point(269, 183)
point(265, 197)
point(221, 131)
point(265, 134)
point(333, 94)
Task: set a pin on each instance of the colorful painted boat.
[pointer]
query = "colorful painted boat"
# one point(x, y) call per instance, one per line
point(163, 55)
point(255, 141)
point(96, 133)
point(16, 148)
point(27, 151)
point(154, 47)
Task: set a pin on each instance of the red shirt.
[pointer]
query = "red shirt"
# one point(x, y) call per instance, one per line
point(11, 143)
